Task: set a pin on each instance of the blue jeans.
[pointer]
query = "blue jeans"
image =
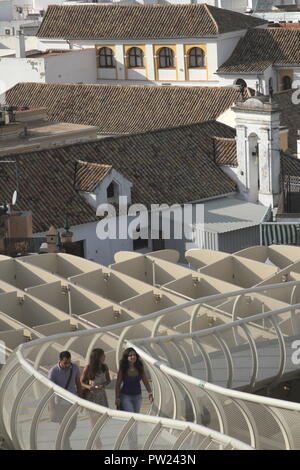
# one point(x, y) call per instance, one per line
point(132, 404)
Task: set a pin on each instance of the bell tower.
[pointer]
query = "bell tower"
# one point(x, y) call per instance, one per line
point(258, 149)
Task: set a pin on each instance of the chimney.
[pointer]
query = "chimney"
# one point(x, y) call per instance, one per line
point(20, 45)
point(298, 146)
point(52, 240)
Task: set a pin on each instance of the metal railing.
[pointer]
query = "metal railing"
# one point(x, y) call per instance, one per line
point(232, 419)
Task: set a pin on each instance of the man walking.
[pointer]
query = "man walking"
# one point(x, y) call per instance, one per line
point(66, 375)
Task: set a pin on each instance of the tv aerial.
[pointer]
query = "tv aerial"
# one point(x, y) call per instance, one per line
point(14, 198)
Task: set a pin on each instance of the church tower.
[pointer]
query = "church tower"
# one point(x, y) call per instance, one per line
point(258, 149)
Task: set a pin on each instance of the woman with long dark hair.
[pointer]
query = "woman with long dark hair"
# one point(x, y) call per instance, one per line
point(95, 377)
point(128, 385)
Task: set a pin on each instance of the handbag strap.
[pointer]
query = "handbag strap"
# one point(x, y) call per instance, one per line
point(69, 379)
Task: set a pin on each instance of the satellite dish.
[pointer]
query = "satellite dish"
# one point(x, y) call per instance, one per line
point(14, 198)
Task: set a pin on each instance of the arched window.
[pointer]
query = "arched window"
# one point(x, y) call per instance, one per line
point(241, 83)
point(166, 58)
point(135, 57)
point(105, 57)
point(286, 83)
point(196, 57)
point(111, 190)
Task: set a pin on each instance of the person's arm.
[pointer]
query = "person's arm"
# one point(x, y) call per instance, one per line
point(147, 385)
point(78, 385)
point(83, 380)
point(107, 376)
point(52, 375)
point(118, 388)
point(77, 380)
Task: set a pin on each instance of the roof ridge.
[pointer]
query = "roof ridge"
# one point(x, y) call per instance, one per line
point(231, 139)
point(107, 85)
point(84, 162)
point(211, 16)
point(122, 136)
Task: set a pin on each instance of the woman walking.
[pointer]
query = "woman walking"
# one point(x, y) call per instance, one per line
point(95, 377)
point(128, 387)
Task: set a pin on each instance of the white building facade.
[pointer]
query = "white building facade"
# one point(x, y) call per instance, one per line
point(48, 67)
point(258, 146)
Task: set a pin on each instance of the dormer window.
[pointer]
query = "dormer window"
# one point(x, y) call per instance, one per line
point(286, 83)
point(112, 192)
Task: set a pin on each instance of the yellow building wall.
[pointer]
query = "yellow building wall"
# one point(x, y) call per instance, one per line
point(284, 140)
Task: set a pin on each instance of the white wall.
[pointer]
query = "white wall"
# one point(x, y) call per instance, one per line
point(61, 68)
point(297, 73)
point(217, 52)
point(252, 80)
point(228, 118)
point(29, 26)
point(100, 251)
point(31, 42)
point(14, 70)
point(226, 46)
point(236, 5)
point(279, 16)
point(137, 74)
point(73, 67)
point(38, 5)
point(256, 124)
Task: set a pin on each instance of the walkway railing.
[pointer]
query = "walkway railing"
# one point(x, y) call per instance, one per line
point(175, 363)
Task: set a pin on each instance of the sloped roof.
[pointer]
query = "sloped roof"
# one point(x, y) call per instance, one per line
point(88, 175)
point(225, 151)
point(289, 114)
point(109, 21)
point(260, 48)
point(124, 109)
point(168, 166)
point(290, 166)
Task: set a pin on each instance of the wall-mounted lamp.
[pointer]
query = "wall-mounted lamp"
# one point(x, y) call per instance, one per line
point(65, 289)
point(117, 314)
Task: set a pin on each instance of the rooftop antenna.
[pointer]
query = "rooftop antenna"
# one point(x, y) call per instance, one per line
point(14, 198)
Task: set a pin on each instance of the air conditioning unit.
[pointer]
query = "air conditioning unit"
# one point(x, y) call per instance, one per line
point(7, 32)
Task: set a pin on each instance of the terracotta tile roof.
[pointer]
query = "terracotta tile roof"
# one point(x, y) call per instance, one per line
point(290, 166)
point(168, 166)
point(124, 109)
point(225, 151)
point(141, 21)
point(89, 175)
point(289, 116)
point(260, 48)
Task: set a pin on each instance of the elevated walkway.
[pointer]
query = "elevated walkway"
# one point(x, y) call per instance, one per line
point(204, 353)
